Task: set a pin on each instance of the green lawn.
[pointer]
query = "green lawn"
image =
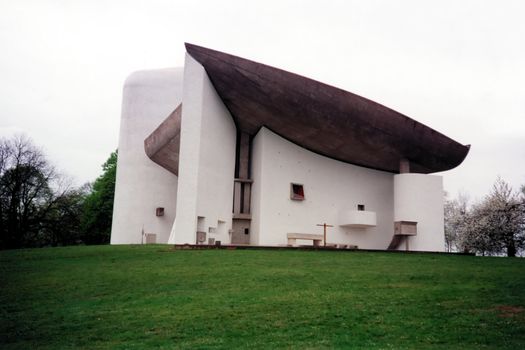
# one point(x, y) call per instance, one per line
point(137, 297)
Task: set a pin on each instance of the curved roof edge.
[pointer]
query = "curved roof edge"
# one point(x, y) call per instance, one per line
point(325, 119)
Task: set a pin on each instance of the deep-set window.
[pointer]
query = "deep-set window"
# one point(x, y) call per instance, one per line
point(296, 192)
point(361, 207)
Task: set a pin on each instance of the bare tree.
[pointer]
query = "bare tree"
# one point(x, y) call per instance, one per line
point(26, 191)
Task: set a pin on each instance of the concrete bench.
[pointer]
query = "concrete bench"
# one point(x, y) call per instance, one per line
point(293, 237)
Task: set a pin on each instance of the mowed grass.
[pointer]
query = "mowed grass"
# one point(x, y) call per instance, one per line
point(140, 297)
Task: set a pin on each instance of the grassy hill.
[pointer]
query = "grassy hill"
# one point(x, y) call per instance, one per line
point(137, 297)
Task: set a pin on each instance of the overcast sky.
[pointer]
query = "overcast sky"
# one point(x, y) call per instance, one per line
point(456, 66)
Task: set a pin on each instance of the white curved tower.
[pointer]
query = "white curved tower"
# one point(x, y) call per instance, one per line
point(418, 199)
point(142, 186)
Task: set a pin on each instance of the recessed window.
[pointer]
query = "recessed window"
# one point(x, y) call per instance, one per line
point(246, 231)
point(159, 212)
point(296, 192)
point(361, 207)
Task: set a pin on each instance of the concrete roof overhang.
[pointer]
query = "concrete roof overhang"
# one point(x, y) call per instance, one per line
point(325, 119)
point(163, 144)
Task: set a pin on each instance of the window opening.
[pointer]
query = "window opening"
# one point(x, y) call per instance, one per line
point(296, 192)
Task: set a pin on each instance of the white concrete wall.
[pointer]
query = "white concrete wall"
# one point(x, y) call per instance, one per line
point(330, 187)
point(419, 197)
point(142, 185)
point(207, 160)
point(257, 194)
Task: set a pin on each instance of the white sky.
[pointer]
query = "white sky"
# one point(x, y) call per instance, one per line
point(456, 66)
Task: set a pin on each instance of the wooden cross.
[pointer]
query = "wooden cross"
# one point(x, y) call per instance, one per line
point(325, 225)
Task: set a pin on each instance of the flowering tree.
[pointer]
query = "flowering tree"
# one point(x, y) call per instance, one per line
point(495, 225)
point(506, 217)
point(456, 211)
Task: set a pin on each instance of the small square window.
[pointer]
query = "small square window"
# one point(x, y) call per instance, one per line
point(360, 207)
point(159, 211)
point(296, 192)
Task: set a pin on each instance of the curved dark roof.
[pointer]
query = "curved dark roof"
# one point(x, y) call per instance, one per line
point(324, 119)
